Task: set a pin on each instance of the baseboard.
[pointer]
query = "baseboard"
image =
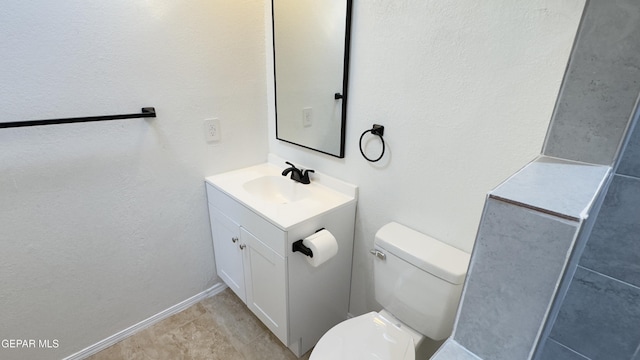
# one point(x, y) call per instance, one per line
point(111, 340)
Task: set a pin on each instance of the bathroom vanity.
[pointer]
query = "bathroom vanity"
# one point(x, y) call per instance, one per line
point(256, 216)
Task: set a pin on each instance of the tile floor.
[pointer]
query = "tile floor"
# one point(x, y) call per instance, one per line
point(220, 327)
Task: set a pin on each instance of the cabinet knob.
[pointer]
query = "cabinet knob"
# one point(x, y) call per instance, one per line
point(242, 246)
point(234, 239)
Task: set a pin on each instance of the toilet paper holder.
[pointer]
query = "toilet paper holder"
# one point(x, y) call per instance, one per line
point(299, 246)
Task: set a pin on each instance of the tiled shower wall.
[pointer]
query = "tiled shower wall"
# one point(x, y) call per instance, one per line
point(504, 312)
point(600, 85)
point(599, 317)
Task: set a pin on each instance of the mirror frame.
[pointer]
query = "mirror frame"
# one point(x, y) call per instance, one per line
point(345, 81)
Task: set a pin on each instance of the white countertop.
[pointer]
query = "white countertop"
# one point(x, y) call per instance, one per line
point(323, 196)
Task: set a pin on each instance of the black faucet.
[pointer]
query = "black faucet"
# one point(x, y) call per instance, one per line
point(299, 175)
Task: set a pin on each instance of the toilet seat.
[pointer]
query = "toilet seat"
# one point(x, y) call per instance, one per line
point(368, 336)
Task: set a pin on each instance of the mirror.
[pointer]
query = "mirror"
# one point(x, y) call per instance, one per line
point(311, 58)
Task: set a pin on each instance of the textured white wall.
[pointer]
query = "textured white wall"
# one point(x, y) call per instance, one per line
point(465, 90)
point(105, 224)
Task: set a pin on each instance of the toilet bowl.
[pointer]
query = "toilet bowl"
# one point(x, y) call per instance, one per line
point(418, 280)
point(369, 336)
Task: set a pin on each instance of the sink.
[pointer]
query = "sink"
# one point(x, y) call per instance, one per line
point(276, 189)
point(278, 199)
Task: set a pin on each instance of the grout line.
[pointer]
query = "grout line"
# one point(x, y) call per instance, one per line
point(609, 277)
point(568, 348)
point(573, 161)
point(632, 177)
point(535, 208)
point(636, 355)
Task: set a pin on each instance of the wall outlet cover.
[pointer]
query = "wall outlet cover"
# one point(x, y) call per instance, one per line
point(307, 117)
point(212, 130)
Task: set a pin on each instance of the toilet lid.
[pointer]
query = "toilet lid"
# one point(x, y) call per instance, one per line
point(366, 337)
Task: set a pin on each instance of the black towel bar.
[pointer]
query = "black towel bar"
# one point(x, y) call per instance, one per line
point(146, 113)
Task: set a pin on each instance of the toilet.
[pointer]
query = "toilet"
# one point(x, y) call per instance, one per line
point(418, 280)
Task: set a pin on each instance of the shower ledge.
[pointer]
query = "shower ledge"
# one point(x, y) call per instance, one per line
point(554, 186)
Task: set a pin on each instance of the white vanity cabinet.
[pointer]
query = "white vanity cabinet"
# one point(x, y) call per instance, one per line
point(266, 284)
point(253, 270)
point(252, 243)
point(228, 256)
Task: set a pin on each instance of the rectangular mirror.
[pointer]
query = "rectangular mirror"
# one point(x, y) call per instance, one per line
point(311, 58)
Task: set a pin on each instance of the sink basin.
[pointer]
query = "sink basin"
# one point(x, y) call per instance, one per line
point(276, 189)
point(278, 199)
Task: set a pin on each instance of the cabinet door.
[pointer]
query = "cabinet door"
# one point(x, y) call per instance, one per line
point(228, 254)
point(265, 277)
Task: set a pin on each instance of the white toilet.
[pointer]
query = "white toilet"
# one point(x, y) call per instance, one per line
point(418, 281)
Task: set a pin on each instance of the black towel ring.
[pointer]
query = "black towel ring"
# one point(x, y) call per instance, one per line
point(376, 130)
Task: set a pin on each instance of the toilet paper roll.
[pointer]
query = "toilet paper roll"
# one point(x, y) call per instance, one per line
point(323, 245)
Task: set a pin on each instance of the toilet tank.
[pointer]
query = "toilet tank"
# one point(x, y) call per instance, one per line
point(418, 279)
